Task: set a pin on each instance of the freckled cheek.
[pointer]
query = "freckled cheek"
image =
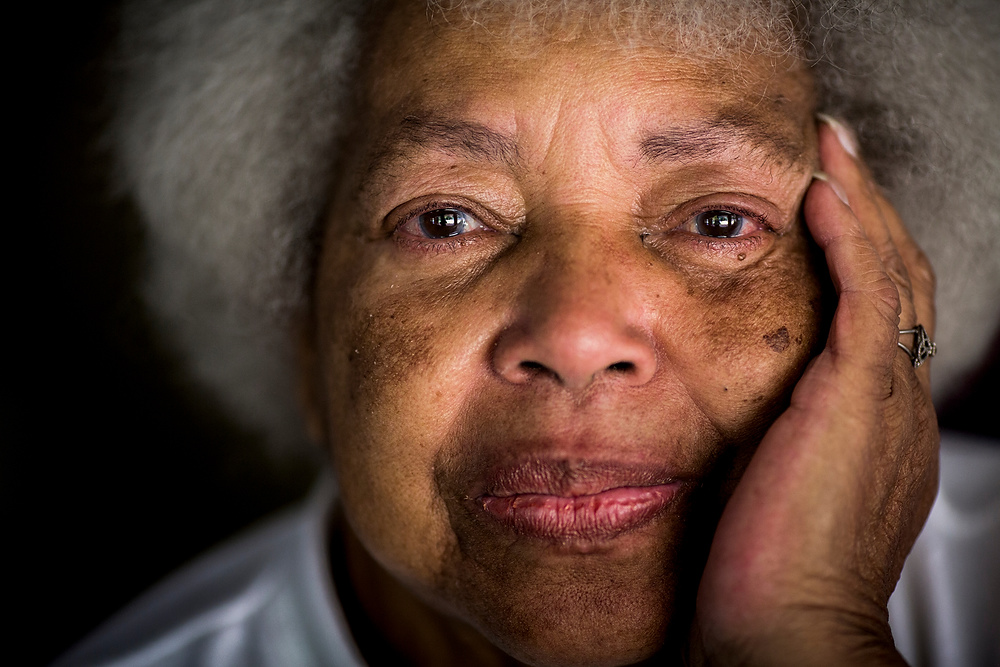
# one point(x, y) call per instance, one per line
point(399, 379)
point(756, 333)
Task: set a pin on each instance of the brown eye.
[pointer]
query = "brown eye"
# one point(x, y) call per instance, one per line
point(719, 224)
point(442, 223)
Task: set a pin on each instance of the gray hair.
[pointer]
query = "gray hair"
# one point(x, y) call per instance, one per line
point(228, 113)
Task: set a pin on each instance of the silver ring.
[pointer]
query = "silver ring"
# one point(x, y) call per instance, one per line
point(923, 347)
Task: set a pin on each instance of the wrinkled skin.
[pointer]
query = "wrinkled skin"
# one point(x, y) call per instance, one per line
point(813, 540)
point(585, 321)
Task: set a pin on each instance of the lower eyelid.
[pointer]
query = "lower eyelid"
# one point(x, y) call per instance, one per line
point(736, 248)
point(746, 243)
point(433, 246)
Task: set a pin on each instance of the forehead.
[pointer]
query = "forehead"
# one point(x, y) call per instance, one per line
point(471, 89)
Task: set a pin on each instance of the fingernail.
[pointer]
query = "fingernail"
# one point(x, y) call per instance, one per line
point(825, 177)
point(844, 135)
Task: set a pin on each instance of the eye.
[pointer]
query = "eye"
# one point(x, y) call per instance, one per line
point(725, 227)
point(719, 223)
point(442, 223)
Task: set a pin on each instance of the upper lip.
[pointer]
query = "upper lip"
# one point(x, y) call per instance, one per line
point(570, 478)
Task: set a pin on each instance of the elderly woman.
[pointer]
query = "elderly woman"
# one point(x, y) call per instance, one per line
point(618, 349)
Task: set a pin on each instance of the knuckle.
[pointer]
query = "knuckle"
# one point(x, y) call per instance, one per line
point(922, 272)
point(897, 269)
point(890, 255)
point(887, 305)
point(918, 264)
point(888, 296)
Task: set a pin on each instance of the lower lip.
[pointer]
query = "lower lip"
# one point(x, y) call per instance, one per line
point(597, 516)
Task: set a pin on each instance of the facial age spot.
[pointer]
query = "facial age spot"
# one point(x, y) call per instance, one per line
point(777, 340)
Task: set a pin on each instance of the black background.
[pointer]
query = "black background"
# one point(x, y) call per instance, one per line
point(114, 470)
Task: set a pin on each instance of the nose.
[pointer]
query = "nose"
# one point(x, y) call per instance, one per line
point(577, 325)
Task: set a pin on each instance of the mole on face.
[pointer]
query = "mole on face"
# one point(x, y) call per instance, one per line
point(777, 340)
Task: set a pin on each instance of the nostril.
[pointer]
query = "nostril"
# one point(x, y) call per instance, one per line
point(573, 355)
point(622, 367)
point(527, 370)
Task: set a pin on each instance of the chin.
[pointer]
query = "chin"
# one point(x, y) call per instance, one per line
point(596, 654)
point(587, 629)
point(609, 602)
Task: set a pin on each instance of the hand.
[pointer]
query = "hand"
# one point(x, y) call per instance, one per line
point(812, 542)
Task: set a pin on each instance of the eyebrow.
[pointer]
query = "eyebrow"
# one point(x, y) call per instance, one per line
point(458, 137)
point(718, 135)
point(478, 142)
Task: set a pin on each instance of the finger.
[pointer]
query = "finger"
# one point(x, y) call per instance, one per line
point(900, 235)
point(845, 169)
point(905, 263)
point(921, 279)
point(918, 267)
point(864, 331)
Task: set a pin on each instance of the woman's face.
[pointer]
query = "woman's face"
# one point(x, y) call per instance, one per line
point(564, 289)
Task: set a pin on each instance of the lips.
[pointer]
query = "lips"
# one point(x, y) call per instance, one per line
point(593, 516)
point(566, 500)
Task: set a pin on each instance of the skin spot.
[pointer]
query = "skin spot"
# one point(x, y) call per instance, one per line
point(741, 256)
point(777, 340)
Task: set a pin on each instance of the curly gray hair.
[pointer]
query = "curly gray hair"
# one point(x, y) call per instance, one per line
point(228, 113)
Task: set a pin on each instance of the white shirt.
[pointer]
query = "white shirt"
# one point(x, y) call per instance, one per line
point(263, 599)
point(267, 599)
point(946, 608)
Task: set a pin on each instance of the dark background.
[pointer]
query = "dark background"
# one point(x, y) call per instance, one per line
point(114, 470)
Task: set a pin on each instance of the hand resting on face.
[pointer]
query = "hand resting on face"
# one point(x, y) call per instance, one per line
point(813, 540)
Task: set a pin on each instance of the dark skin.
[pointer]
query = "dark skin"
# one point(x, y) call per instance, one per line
point(583, 319)
point(858, 441)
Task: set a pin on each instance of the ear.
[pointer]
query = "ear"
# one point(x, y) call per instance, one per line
point(310, 380)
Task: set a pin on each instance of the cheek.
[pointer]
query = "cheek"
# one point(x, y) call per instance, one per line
point(752, 338)
point(395, 387)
